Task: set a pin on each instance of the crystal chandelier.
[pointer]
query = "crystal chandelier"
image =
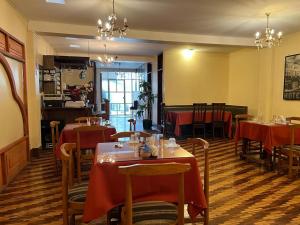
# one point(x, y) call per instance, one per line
point(107, 59)
point(268, 39)
point(110, 27)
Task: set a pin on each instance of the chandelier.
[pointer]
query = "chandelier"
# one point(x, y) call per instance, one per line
point(269, 39)
point(107, 59)
point(110, 27)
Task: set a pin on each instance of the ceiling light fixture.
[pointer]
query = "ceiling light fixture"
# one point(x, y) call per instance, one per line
point(107, 59)
point(188, 53)
point(74, 46)
point(268, 40)
point(71, 38)
point(110, 27)
point(61, 2)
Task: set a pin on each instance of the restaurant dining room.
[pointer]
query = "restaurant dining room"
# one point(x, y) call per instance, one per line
point(122, 112)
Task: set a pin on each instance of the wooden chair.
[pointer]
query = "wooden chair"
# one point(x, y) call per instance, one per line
point(289, 156)
point(128, 214)
point(55, 138)
point(84, 119)
point(132, 124)
point(251, 146)
point(293, 119)
point(238, 118)
point(127, 134)
point(203, 144)
point(199, 115)
point(73, 195)
point(218, 110)
point(167, 127)
point(88, 157)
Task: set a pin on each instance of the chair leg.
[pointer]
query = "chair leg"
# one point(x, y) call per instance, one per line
point(223, 131)
point(290, 158)
point(235, 148)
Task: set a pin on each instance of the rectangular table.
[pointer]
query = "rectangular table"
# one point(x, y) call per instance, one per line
point(180, 118)
point(88, 139)
point(107, 186)
point(271, 135)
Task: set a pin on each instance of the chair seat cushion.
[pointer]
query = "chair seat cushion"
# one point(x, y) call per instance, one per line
point(153, 213)
point(78, 192)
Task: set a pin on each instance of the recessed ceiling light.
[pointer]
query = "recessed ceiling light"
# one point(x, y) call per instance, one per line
point(74, 46)
point(56, 1)
point(71, 38)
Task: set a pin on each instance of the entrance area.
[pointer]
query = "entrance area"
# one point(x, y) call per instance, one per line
point(121, 88)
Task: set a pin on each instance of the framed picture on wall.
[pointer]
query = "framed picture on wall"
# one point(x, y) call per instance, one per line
point(291, 89)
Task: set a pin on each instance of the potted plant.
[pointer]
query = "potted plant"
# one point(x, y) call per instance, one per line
point(146, 100)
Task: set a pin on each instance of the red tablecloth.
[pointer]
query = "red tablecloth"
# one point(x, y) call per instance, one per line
point(87, 140)
point(107, 186)
point(186, 117)
point(271, 135)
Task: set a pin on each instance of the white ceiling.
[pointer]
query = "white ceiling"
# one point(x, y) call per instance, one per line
point(122, 46)
point(226, 18)
point(93, 46)
point(213, 17)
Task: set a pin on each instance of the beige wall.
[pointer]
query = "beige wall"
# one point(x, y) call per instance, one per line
point(10, 115)
point(243, 79)
point(11, 118)
point(15, 24)
point(36, 47)
point(256, 79)
point(201, 78)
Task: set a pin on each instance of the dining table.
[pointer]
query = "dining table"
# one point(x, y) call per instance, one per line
point(179, 118)
point(89, 139)
point(106, 189)
point(270, 134)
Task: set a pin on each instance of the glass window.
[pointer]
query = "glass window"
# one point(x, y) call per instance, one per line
point(112, 85)
point(104, 85)
point(120, 85)
point(128, 97)
point(116, 97)
point(128, 85)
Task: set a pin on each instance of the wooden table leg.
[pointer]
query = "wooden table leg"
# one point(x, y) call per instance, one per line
point(290, 164)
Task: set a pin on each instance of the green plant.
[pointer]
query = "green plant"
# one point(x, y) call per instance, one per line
point(146, 100)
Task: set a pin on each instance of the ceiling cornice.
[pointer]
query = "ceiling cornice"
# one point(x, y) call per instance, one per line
point(63, 29)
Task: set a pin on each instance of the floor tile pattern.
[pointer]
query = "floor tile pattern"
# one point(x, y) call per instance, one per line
point(240, 192)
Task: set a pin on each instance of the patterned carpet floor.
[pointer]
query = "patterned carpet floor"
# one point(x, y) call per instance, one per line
point(240, 192)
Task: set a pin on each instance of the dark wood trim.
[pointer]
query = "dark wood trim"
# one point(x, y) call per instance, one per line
point(95, 88)
point(12, 37)
point(159, 87)
point(7, 54)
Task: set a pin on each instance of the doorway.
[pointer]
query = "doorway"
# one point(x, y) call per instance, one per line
point(121, 88)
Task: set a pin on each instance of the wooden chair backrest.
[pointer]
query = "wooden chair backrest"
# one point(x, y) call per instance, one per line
point(84, 119)
point(293, 119)
point(154, 170)
point(204, 145)
point(118, 135)
point(218, 110)
point(293, 128)
point(54, 133)
point(67, 175)
point(81, 129)
point(240, 117)
point(126, 134)
point(199, 112)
